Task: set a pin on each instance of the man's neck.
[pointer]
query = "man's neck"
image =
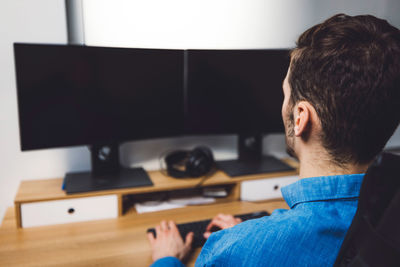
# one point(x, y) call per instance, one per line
point(321, 165)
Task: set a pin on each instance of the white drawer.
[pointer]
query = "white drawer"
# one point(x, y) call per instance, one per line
point(69, 210)
point(264, 189)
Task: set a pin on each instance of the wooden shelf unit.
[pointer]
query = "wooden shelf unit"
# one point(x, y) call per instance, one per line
point(50, 189)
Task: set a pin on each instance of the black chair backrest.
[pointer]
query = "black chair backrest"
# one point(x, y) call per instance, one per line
point(373, 238)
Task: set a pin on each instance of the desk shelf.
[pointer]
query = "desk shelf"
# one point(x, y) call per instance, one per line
point(50, 190)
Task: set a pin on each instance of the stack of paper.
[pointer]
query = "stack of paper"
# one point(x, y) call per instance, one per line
point(173, 203)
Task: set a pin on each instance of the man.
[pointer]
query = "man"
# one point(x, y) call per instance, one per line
point(342, 95)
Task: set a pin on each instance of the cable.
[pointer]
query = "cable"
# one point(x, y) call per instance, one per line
point(206, 177)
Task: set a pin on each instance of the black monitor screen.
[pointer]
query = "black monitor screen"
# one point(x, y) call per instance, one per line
point(235, 91)
point(77, 95)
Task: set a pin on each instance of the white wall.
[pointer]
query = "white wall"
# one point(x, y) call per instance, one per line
point(194, 24)
point(149, 23)
point(216, 24)
point(41, 21)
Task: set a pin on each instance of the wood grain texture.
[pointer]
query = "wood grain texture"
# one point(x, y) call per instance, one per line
point(17, 209)
point(113, 242)
point(50, 189)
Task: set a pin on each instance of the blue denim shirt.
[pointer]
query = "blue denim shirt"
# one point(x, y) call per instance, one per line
point(310, 233)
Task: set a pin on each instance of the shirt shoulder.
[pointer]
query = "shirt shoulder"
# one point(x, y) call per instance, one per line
point(244, 242)
point(285, 238)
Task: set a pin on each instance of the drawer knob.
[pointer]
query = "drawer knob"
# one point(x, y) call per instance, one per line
point(276, 187)
point(71, 210)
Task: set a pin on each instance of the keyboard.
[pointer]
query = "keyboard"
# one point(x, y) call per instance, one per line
point(199, 227)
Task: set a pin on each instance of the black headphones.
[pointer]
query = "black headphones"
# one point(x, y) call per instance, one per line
point(194, 163)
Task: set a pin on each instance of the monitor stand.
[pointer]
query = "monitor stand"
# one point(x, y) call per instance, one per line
point(106, 173)
point(251, 161)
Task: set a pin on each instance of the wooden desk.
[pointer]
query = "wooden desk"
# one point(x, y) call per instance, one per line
point(113, 242)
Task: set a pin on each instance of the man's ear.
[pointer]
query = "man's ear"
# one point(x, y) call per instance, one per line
point(302, 118)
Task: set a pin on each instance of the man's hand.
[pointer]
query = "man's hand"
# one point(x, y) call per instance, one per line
point(222, 221)
point(169, 242)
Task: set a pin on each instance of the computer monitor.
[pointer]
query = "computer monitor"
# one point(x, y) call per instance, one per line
point(237, 92)
point(97, 96)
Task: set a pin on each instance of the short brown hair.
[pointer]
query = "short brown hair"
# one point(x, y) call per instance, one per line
point(348, 68)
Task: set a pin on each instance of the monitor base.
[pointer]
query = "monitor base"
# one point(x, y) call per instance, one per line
point(266, 164)
point(79, 182)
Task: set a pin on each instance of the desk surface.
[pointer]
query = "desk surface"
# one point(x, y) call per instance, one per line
point(113, 242)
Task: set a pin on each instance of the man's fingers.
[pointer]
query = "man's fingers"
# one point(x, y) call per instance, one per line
point(220, 223)
point(158, 230)
point(164, 226)
point(210, 225)
point(229, 218)
point(207, 235)
point(151, 238)
point(172, 226)
point(215, 222)
point(189, 239)
point(222, 216)
point(225, 217)
point(167, 241)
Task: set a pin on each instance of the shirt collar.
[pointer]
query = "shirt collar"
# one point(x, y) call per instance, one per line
point(322, 188)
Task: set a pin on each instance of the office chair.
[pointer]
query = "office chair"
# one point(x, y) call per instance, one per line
point(373, 238)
